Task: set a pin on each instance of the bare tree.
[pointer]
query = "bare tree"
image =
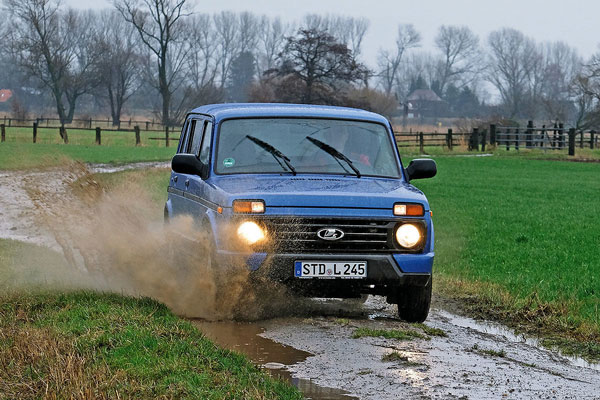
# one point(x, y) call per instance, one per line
point(347, 30)
point(120, 66)
point(585, 89)
point(271, 39)
point(389, 62)
point(159, 24)
point(514, 58)
point(320, 64)
point(460, 52)
point(227, 35)
point(561, 66)
point(55, 47)
point(202, 67)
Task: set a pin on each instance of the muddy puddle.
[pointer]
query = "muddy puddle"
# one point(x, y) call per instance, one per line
point(276, 358)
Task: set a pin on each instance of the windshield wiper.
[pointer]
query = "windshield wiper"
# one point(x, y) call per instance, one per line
point(275, 153)
point(334, 153)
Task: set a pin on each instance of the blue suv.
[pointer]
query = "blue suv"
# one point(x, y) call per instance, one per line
point(315, 197)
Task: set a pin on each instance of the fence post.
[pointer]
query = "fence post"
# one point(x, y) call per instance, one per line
point(147, 123)
point(507, 139)
point(529, 135)
point(555, 136)
point(3, 133)
point(35, 126)
point(561, 135)
point(592, 133)
point(98, 136)
point(167, 136)
point(483, 139)
point(474, 140)
point(9, 121)
point(517, 138)
point(581, 133)
point(493, 135)
point(421, 143)
point(449, 139)
point(137, 134)
point(572, 141)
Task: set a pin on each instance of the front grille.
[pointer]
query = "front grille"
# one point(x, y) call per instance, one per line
point(293, 235)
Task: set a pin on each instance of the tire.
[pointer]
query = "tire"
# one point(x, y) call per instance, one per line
point(413, 302)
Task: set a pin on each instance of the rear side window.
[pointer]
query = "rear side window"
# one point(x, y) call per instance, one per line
point(183, 138)
point(205, 150)
point(197, 130)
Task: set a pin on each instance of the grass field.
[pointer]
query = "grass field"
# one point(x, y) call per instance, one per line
point(39, 155)
point(92, 345)
point(521, 237)
point(517, 239)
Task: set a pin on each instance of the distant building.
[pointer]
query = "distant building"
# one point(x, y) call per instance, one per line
point(425, 103)
point(5, 95)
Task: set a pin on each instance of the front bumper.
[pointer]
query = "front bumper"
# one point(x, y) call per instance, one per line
point(392, 269)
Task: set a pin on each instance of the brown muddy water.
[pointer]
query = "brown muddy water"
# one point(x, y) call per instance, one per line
point(275, 358)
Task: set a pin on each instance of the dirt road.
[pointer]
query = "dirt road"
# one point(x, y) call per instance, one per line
point(476, 360)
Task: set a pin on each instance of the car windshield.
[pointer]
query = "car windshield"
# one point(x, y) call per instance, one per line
point(305, 145)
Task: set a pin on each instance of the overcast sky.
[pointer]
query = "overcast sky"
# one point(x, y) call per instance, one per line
point(572, 21)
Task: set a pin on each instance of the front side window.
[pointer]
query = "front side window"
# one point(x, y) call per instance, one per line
point(305, 145)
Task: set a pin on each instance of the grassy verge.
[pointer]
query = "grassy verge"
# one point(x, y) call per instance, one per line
point(517, 240)
point(40, 155)
point(107, 346)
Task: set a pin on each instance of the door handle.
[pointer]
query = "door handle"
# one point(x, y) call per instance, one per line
point(187, 182)
point(175, 179)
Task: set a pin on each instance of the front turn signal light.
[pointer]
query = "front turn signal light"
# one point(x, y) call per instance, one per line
point(412, 210)
point(249, 206)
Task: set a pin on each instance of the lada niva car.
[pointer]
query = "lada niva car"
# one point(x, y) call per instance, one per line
point(314, 196)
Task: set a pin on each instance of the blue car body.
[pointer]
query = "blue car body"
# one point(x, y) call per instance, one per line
point(318, 200)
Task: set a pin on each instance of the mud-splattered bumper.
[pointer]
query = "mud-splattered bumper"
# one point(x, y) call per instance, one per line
point(390, 269)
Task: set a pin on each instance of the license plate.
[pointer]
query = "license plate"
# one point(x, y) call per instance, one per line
point(331, 269)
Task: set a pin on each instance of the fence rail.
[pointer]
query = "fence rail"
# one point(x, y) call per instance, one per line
point(89, 123)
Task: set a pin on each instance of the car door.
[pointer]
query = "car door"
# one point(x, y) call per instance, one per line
point(196, 191)
point(177, 182)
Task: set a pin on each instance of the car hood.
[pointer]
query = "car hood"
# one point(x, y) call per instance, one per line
point(316, 191)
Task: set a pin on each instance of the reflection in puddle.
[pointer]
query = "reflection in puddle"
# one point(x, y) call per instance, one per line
point(274, 357)
point(500, 330)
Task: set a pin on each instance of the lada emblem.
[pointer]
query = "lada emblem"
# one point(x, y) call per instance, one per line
point(330, 234)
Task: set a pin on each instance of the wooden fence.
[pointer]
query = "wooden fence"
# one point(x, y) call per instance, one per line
point(89, 123)
point(168, 132)
point(555, 137)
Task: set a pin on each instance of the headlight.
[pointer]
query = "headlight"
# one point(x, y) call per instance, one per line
point(408, 236)
point(250, 232)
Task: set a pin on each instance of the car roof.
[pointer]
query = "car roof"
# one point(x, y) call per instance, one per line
point(244, 110)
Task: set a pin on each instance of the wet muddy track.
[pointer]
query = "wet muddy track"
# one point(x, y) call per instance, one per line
point(475, 360)
point(315, 349)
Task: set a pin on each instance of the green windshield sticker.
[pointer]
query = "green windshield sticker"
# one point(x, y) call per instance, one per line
point(229, 162)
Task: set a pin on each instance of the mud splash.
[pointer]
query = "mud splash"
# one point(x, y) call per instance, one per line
point(112, 241)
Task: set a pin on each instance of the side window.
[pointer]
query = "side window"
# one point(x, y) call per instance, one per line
point(183, 138)
point(196, 130)
point(205, 150)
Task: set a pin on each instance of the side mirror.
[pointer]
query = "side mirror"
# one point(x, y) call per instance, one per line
point(188, 164)
point(421, 168)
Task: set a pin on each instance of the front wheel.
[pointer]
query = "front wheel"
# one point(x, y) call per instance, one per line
point(413, 302)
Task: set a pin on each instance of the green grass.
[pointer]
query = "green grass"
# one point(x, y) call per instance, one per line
point(106, 346)
point(518, 239)
point(400, 334)
point(29, 155)
point(431, 331)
